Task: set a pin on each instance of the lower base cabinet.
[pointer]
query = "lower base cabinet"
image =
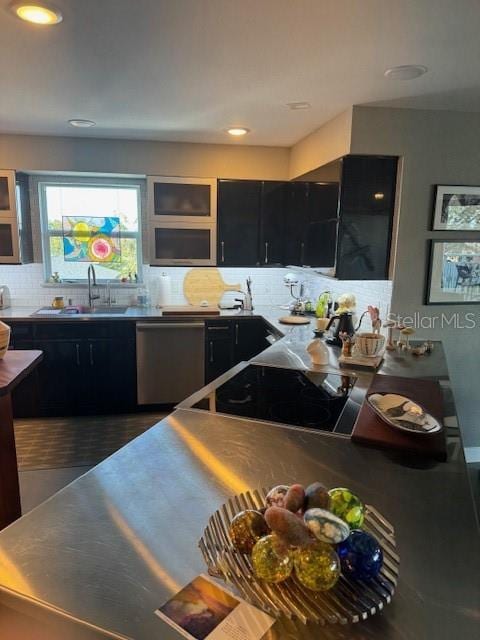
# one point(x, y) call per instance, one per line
point(229, 342)
point(90, 367)
point(85, 370)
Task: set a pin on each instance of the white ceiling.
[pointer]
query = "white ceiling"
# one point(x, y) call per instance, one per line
point(184, 70)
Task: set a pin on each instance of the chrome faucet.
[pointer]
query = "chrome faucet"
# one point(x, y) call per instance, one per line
point(92, 282)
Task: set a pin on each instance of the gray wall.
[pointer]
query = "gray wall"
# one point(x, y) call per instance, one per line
point(50, 153)
point(438, 147)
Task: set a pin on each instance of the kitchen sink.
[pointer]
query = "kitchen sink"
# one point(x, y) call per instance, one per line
point(106, 310)
point(99, 310)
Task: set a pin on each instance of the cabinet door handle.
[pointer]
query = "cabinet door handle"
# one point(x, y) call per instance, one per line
point(222, 244)
point(77, 350)
point(236, 334)
point(91, 354)
point(302, 253)
point(266, 252)
point(211, 351)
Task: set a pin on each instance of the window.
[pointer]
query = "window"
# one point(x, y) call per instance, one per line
point(90, 221)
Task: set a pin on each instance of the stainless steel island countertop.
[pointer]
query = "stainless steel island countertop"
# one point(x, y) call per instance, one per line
point(115, 544)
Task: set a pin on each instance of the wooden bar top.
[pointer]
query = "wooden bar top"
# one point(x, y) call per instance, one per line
point(14, 366)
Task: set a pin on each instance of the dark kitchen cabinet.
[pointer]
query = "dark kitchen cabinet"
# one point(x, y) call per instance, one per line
point(231, 341)
point(272, 220)
point(249, 338)
point(87, 368)
point(296, 222)
point(62, 385)
point(218, 348)
point(111, 368)
point(238, 230)
point(274, 223)
point(322, 220)
point(367, 200)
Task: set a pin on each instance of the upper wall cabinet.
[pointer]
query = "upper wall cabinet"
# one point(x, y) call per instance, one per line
point(15, 221)
point(273, 223)
point(367, 203)
point(182, 215)
point(251, 223)
point(192, 200)
point(7, 194)
point(239, 206)
point(311, 224)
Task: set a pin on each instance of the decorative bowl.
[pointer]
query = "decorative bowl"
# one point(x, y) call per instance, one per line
point(349, 601)
point(369, 344)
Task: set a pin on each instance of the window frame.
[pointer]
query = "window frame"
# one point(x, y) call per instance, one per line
point(44, 181)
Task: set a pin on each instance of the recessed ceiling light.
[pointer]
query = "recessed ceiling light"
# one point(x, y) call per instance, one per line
point(295, 106)
point(406, 72)
point(37, 13)
point(82, 124)
point(238, 131)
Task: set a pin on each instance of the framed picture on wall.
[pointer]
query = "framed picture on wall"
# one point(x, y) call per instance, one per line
point(456, 209)
point(454, 273)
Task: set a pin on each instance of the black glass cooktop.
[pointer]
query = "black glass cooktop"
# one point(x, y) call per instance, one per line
point(289, 396)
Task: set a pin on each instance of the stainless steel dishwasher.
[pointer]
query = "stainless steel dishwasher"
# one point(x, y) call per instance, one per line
point(170, 361)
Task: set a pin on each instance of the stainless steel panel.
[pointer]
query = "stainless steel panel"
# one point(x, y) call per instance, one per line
point(121, 539)
point(170, 361)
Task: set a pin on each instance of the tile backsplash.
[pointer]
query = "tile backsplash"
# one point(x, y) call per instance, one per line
point(26, 286)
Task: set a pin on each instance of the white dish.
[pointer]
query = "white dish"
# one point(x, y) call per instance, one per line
point(403, 414)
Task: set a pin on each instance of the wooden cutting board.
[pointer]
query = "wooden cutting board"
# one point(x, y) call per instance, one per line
point(294, 320)
point(190, 310)
point(371, 430)
point(206, 284)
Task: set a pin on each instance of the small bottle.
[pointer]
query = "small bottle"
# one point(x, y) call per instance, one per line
point(142, 297)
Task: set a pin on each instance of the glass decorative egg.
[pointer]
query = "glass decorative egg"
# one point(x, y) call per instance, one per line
point(317, 566)
point(276, 496)
point(246, 528)
point(326, 526)
point(346, 505)
point(360, 555)
point(272, 561)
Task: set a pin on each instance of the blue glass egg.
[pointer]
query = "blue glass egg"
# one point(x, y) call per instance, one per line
point(360, 555)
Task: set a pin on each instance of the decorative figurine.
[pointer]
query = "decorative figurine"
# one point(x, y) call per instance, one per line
point(347, 344)
point(429, 346)
point(272, 560)
point(361, 556)
point(318, 352)
point(317, 566)
point(375, 318)
point(345, 504)
point(390, 326)
point(406, 333)
point(419, 351)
